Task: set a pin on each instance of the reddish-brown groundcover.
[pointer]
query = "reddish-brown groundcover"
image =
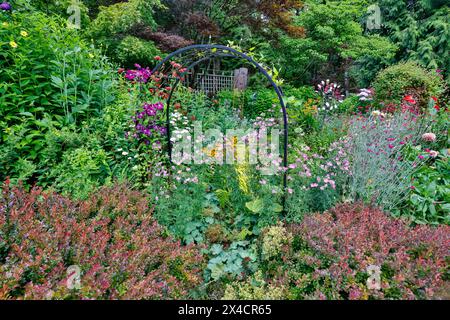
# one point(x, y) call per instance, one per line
point(339, 245)
point(121, 251)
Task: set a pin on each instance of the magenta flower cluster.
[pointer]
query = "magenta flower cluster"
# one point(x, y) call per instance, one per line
point(139, 74)
point(146, 122)
point(150, 109)
point(5, 6)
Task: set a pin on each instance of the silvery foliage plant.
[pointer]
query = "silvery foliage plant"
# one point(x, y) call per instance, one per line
point(384, 154)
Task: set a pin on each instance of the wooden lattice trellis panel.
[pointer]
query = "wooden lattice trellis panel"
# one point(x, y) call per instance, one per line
point(211, 83)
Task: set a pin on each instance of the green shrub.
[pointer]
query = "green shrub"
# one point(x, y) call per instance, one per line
point(79, 172)
point(133, 50)
point(49, 77)
point(76, 161)
point(408, 78)
point(121, 17)
point(62, 8)
point(265, 102)
point(260, 102)
point(57, 94)
point(350, 104)
point(301, 93)
point(429, 201)
point(114, 26)
point(252, 102)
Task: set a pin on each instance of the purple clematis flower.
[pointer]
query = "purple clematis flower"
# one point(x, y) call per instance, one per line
point(5, 6)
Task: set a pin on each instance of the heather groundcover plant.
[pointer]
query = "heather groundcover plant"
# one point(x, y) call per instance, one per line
point(224, 150)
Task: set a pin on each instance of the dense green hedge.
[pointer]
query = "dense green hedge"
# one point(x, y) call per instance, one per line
point(408, 78)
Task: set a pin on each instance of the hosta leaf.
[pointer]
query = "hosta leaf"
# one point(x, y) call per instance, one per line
point(255, 206)
point(277, 208)
point(217, 271)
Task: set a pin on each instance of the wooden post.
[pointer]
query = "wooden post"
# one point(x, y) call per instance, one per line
point(240, 79)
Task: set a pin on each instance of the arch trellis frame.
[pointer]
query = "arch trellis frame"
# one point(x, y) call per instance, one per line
point(206, 52)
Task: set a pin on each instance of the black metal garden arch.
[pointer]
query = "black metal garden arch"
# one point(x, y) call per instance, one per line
point(197, 54)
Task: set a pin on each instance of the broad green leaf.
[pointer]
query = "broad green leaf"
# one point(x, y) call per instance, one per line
point(255, 206)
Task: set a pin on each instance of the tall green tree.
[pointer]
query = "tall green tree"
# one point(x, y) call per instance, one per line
point(421, 28)
point(335, 45)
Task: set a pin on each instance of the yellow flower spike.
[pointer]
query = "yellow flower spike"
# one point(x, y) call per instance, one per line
point(91, 55)
point(5, 24)
point(13, 44)
point(243, 178)
point(24, 34)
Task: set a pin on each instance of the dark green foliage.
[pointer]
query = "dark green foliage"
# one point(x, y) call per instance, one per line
point(49, 70)
point(49, 78)
point(133, 50)
point(429, 202)
point(334, 42)
point(115, 26)
point(420, 29)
